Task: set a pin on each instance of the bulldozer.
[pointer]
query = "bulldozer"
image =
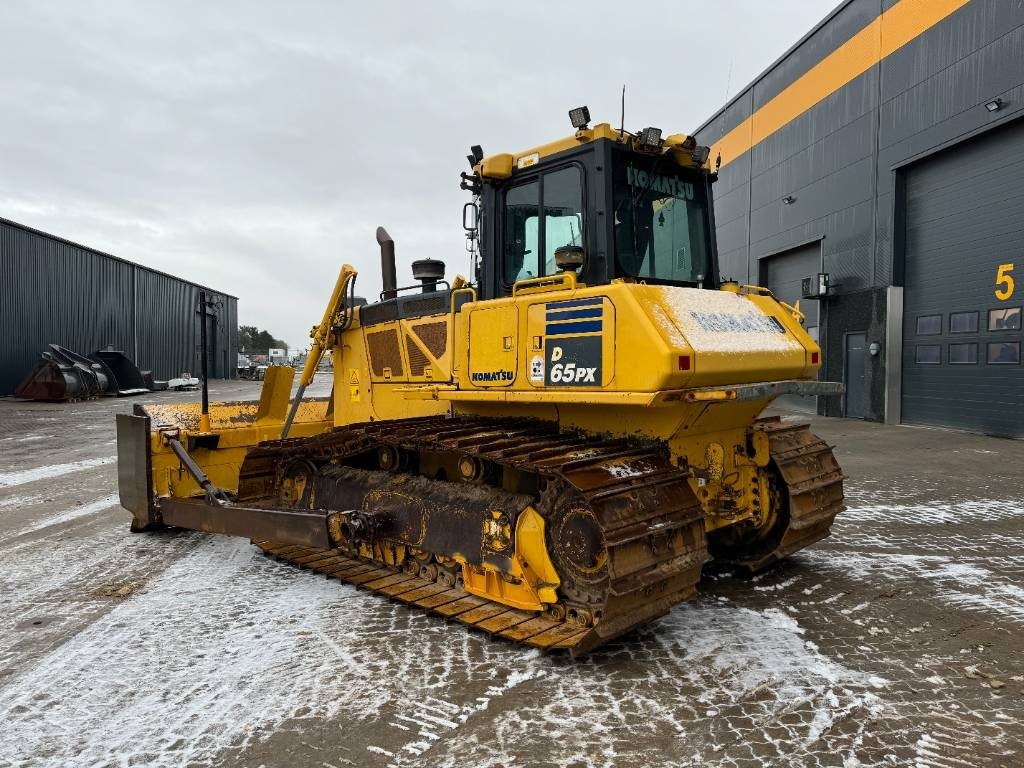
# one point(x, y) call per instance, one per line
point(550, 451)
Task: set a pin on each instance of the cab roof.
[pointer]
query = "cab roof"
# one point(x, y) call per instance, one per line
point(501, 166)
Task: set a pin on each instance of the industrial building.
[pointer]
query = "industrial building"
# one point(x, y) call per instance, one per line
point(883, 155)
point(53, 291)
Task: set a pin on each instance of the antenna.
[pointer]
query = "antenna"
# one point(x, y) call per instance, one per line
point(622, 124)
point(728, 79)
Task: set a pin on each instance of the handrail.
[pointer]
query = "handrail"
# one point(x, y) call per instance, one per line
point(418, 287)
point(761, 290)
point(566, 279)
point(456, 292)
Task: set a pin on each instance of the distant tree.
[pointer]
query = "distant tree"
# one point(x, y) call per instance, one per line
point(247, 337)
point(252, 340)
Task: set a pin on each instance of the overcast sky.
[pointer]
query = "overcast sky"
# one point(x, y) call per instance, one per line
point(255, 146)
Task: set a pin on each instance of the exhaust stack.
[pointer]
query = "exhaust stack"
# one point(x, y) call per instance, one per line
point(388, 275)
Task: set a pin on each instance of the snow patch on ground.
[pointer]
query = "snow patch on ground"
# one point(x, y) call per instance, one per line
point(13, 502)
point(981, 510)
point(67, 516)
point(958, 582)
point(11, 479)
point(214, 651)
point(226, 648)
point(711, 675)
point(25, 438)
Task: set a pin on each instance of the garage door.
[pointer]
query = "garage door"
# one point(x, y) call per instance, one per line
point(964, 287)
point(782, 274)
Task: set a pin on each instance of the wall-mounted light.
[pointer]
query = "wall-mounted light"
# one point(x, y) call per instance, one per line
point(788, 200)
point(994, 106)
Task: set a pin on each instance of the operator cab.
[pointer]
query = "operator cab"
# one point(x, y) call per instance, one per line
point(605, 203)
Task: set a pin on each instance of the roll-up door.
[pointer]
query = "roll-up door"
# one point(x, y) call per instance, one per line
point(783, 274)
point(964, 286)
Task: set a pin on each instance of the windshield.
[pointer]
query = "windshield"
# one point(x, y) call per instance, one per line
point(660, 221)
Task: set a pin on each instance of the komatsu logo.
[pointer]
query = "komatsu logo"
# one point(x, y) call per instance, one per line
point(666, 185)
point(492, 376)
point(721, 322)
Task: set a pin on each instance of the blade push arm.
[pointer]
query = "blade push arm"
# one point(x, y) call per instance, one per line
point(334, 314)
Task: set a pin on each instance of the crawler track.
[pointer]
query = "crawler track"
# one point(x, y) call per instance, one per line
point(625, 531)
point(810, 497)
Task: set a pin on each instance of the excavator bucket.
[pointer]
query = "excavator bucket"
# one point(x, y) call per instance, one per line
point(60, 374)
point(125, 376)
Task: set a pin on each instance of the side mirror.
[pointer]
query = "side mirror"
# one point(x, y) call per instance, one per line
point(470, 214)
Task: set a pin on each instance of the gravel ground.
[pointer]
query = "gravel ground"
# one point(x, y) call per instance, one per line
point(895, 642)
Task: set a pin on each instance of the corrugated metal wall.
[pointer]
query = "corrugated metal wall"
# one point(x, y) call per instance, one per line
point(56, 292)
point(838, 160)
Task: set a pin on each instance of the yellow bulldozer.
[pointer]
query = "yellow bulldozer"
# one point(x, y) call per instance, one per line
point(549, 452)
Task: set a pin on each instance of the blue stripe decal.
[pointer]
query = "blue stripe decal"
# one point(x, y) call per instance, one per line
point(574, 314)
point(564, 329)
point(575, 303)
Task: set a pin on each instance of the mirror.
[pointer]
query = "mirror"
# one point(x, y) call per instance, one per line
point(470, 214)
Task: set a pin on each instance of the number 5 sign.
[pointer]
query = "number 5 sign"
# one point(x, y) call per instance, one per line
point(1004, 281)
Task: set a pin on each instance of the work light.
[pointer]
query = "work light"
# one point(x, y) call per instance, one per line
point(650, 138)
point(701, 154)
point(579, 117)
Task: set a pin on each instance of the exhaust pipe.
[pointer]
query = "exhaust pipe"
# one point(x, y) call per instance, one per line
point(388, 275)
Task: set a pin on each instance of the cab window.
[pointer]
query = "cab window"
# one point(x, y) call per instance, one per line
point(661, 223)
point(529, 247)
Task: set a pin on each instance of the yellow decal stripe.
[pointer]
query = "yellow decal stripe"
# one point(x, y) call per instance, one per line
point(888, 33)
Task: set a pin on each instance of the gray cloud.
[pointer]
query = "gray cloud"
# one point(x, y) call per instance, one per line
point(255, 146)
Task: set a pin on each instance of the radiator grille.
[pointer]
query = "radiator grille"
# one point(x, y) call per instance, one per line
point(418, 362)
point(384, 352)
point(434, 337)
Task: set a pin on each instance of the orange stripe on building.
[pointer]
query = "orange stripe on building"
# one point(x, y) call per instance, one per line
point(889, 32)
